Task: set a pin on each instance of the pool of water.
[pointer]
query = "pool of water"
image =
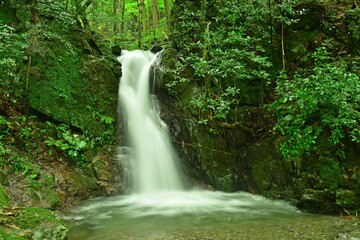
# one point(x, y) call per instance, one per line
point(195, 215)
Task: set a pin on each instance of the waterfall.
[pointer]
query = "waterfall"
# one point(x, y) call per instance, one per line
point(152, 159)
point(160, 208)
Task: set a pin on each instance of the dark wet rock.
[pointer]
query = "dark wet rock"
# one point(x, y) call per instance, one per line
point(156, 49)
point(116, 50)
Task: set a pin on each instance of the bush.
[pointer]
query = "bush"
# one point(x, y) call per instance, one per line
point(319, 104)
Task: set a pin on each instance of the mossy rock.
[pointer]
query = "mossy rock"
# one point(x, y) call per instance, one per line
point(269, 174)
point(320, 201)
point(43, 191)
point(216, 161)
point(347, 199)
point(82, 186)
point(75, 90)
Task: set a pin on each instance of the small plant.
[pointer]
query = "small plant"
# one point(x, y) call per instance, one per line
point(71, 144)
point(106, 136)
point(23, 166)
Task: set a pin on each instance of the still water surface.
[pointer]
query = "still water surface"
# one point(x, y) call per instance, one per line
point(195, 215)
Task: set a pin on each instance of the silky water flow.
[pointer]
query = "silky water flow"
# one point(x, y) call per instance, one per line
point(158, 206)
point(153, 161)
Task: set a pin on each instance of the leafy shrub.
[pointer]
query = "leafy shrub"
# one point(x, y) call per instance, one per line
point(324, 101)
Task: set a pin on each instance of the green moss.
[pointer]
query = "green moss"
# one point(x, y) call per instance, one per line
point(45, 197)
point(269, 171)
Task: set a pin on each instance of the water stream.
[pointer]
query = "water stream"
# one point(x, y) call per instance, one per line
point(159, 207)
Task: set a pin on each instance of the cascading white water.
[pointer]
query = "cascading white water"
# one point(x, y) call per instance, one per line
point(153, 160)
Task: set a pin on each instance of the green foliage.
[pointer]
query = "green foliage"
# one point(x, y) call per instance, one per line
point(57, 12)
point(285, 13)
point(71, 144)
point(318, 104)
point(106, 18)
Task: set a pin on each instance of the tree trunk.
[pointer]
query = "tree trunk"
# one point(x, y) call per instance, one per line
point(155, 15)
point(115, 6)
point(147, 15)
point(122, 16)
point(140, 17)
point(167, 14)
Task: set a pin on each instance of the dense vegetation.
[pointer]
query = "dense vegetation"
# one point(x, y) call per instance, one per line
point(241, 43)
point(294, 63)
